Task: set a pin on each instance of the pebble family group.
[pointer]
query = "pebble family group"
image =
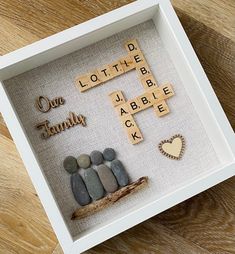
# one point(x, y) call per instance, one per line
point(97, 180)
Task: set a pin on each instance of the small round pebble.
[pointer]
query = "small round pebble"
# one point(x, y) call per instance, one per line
point(109, 154)
point(119, 172)
point(84, 161)
point(107, 178)
point(96, 157)
point(93, 184)
point(70, 164)
point(79, 190)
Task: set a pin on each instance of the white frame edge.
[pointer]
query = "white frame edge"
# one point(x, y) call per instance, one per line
point(29, 157)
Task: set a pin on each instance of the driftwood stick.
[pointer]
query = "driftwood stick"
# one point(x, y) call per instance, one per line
point(109, 199)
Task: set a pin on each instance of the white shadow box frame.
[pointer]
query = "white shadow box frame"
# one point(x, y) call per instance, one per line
point(195, 84)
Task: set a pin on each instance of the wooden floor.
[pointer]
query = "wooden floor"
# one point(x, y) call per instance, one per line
point(203, 224)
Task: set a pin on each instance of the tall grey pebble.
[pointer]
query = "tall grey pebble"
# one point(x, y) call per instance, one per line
point(120, 172)
point(70, 164)
point(84, 161)
point(107, 178)
point(79, 190)
point(93, 184)
point(96, 157)
point(109, 154)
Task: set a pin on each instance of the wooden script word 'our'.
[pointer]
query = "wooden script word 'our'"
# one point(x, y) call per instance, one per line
point(44, 105)
point(154, 95)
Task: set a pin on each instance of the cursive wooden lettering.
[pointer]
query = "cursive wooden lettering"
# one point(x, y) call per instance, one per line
point(44, 105)
point(70, 121)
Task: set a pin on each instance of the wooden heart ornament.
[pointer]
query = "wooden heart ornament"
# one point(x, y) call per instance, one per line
point(173, 148)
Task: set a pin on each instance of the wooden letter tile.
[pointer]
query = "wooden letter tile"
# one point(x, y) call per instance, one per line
point(122, 110)
point(83, 83)
point(128, 122)
point(132, 45)
point(94, 78)
point(116, 69)
point(149, 82)
point(135, 135)
point(156, 95)
point(143, 70)
point(104, 73)
point(137, 57)
point(167, 90)
point(134, 105)
point(127, 63)
point(117, 98)
point(145, 101)
point(161, 108)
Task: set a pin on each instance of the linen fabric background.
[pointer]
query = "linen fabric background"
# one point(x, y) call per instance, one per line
point(104, 129)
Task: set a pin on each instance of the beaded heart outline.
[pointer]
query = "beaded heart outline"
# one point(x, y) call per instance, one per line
point(170, 141)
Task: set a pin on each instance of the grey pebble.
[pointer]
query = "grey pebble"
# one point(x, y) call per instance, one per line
point(84, 161)
point(96, 157)
point(107, 178)
point(70, 164)
point(120, 172)
point(93, 184)
point(79, 190)
point(109, 154)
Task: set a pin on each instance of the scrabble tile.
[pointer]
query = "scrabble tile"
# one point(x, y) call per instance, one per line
point(134, 105)
point(144, 101)
point(94, 78)
point(127, 63)
point(148, 82)
point(83, 83)
point(128, 122)
point(161, 108)
point(156, 95)
point(137, 57)
point(122, 110)
point(135, 136)
point(167, 90)
point(132, 45)
point(117, 98)
point(104, 73)
point(143, 70)
point(116, 68)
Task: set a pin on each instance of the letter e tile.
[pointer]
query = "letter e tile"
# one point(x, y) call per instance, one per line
point(167, 90)
point(161, 108)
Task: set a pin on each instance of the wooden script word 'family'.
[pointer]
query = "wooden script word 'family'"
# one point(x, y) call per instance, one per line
point(154, 95)
point(71, 121)
point(44, 105)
